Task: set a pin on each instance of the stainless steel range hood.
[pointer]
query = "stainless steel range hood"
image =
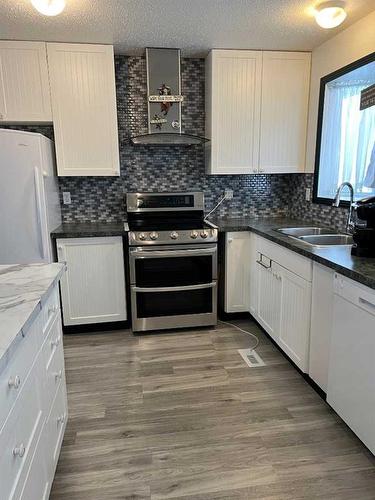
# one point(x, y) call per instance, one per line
point(165, 100)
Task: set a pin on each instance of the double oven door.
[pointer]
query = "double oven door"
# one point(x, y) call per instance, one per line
point(173, 286)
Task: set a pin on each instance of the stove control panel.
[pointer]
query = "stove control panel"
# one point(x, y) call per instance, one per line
point(173, 237)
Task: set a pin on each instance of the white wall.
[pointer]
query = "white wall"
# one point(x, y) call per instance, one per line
point(351, 44)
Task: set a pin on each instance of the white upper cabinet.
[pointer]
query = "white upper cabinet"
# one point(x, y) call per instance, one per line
point(233, 96)
point(256, 111)
point(82, 81)
point(285, 93)
point(24, 86)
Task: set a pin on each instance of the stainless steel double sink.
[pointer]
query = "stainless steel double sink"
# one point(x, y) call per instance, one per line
point(317, 236)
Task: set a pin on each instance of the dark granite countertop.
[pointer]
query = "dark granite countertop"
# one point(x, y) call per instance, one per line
point(83, 230)
point(338, 258)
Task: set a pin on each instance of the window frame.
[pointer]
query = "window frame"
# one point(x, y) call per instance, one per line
point(323, 82)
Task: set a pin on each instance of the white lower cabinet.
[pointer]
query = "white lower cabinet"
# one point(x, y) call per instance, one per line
point(31, 431)
point(93, 287)
point(321, 324)
point(280, 297)
point(237, 260)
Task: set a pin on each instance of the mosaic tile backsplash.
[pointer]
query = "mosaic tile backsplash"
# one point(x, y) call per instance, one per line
point(178, 168)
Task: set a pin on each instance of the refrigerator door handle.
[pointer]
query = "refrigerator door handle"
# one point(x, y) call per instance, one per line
point(39, 211)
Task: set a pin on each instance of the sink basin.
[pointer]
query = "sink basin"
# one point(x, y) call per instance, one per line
point(322, 240)
point(304, 231)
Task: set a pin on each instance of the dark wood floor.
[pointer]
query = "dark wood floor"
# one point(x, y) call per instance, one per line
point(180, 415)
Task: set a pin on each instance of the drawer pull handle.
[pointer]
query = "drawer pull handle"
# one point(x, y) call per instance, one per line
point(51, 310)
point(366, 302)
point(58, 375)
point(19, 451)
point(260, 262)
point(14, 382)
point(56, 342)
point(61, 418)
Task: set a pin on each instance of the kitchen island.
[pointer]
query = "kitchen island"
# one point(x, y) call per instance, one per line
point(33, 401)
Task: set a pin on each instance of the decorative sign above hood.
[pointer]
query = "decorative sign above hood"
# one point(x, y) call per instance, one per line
point(164, 100)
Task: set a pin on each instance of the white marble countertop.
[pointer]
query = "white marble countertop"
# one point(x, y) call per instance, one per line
point(23, 288)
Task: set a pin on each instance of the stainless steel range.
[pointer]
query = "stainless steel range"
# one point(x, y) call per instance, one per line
point(173, 261)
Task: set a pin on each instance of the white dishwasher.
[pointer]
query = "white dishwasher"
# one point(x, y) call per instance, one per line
point(351, 375)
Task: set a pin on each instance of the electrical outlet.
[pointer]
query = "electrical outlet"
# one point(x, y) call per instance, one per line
point(228, 193)
point(308, 194)
point(67, 200)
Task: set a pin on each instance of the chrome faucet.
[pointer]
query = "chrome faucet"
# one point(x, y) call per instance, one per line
point(336, 203)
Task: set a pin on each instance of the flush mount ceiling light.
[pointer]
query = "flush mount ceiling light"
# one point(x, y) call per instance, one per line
point(49, 7)
point(330, 14)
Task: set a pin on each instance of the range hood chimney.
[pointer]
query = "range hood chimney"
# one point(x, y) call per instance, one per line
point(165, 100)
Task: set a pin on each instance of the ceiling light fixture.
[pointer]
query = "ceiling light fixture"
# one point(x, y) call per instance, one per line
point(330, 14)
point(49, 7)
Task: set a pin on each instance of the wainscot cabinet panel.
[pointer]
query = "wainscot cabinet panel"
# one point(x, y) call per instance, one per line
point(24, 84)
point(237, 269)
point(233, 95)
point(93, 288)
point(256, 111)
point(285, 94)
point(83, 97)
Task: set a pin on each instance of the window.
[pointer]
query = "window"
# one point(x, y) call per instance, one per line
point(346, 133)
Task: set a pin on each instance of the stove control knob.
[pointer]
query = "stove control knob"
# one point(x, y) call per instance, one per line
point(194, 235)
point(142, 236)
point(154, 235)
point(174, 235)
point(204, 234)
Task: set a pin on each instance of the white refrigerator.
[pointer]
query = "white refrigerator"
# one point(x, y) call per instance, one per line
point(29, 197)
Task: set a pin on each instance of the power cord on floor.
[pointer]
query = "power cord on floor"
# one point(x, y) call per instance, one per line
point(243, 331)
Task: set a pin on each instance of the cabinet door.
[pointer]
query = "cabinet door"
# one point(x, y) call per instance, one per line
point(253, 276)
point(233, 110)
point(295, 317)
point(84, 109)
point(24, 85)
point(237, 267)
point(321, 324)
point(285, 92)
point(93, 287)
point(269, 292)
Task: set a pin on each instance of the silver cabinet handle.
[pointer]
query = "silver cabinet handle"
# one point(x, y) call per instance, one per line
point(56, 342)
point(264, 265)
point(174, 288)
point(366, 302)
point(14, 382)
point(61, 418)
point(19, 450)
point(52, 309)
point(58, 375)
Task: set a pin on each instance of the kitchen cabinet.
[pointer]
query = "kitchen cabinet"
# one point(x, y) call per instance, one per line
point(83, 96)
point(351, 372)
point(29, 391)
point(284, 107)
point(93, 287)
point(321, 324)
point(233, 97)
point(256, 111)
point(237, 269)
point(280, 298)
point(24, 83)
point(295, 307)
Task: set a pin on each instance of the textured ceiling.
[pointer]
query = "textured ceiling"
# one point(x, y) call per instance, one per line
point(193, 25)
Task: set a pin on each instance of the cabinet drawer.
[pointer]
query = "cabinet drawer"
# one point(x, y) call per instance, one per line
point(53, 363)
point(18, 438)
point(50, 308)
point(14, 376)
point(286, 258)
point(37, 484)
point(55, 428)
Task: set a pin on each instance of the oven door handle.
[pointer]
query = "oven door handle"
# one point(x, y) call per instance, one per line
point(173, 288)
point(146, 254)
